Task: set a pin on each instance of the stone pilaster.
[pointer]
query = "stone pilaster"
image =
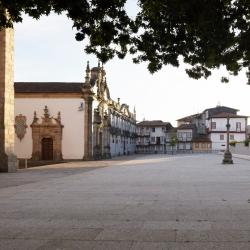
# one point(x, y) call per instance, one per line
point(88, 149)
point(106, 136)
point(96, 136)
point(8, 161)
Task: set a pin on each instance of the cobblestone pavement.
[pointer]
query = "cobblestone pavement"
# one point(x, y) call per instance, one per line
point(144, 202)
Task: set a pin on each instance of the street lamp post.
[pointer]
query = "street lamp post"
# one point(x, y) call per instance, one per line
point(227, 155)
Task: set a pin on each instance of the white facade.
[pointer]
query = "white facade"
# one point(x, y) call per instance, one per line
point(72, 119)
point(217, 130)
point(185, 134)
point(122, 143)
point(184, 137)
point(153, 136)
point(219, 140)
point(122, 146)
point(157, 133)
point(236, 124)
point(122, 128)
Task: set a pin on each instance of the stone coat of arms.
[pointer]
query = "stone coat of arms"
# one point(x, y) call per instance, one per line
point(20, 126)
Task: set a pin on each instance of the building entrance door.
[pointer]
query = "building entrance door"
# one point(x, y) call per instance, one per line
point(158, 140)
point(47, 149)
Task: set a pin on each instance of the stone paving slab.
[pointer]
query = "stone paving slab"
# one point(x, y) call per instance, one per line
point(41, 173)
point(144, 202)
point(240, 156)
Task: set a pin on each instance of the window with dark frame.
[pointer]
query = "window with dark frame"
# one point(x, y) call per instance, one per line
point(213, 125)
point(238, 126)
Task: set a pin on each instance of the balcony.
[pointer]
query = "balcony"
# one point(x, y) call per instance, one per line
point(184, 139)
point(142, 143)
point(143, 133)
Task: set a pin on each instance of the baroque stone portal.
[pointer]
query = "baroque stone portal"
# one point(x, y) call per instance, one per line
point(47, 137)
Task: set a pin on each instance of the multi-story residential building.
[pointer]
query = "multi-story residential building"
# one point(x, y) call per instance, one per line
point(185, 135)
point(153, 136)
point(217, 129)
point(211, 124)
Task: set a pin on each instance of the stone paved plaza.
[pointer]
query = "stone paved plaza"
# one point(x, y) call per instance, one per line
point(144, 202)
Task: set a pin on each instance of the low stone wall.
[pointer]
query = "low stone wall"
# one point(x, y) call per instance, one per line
point(240, 148)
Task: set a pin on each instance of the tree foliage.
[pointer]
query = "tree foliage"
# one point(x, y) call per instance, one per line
point(204, 33)
point(173, 141)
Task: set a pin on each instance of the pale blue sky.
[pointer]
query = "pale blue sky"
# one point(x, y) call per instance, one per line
point(46, 50)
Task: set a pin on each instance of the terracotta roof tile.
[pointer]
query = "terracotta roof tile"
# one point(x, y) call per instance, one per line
point(225, 115)
point(154, 123)
point(47, 87)
point(187, 126)
point(189, 118)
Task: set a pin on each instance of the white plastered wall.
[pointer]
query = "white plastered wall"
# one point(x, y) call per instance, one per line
point(158, 132)
point(221, 123)
point(218, 144)
point(72, 120)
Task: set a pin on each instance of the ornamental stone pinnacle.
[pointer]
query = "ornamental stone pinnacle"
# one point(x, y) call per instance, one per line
point(35, 119)
point(87, 77)
point(46, 113)
point(8, 161)
point(59, 117)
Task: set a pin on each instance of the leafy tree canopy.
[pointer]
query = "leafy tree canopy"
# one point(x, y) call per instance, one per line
point(205, 33)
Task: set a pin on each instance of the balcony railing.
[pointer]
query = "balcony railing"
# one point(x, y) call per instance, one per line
point(182, 139)
point(143, 133)
point(142, 143)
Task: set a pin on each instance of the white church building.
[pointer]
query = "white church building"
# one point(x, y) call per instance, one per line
point(72, 121)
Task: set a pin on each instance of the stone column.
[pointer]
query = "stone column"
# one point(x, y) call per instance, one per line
point(88, 149)
point(227, 154)
point(8, 161)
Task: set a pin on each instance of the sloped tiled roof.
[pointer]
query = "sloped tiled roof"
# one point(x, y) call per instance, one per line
point(189, 118)
point(47, 87)
point(154, 123)
point(187, 126)
point(211, 112)
point(220, 109)
point(225, 115)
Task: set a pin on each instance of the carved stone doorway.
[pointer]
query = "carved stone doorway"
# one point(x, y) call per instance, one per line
point(47, 137)
point(47, 149)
